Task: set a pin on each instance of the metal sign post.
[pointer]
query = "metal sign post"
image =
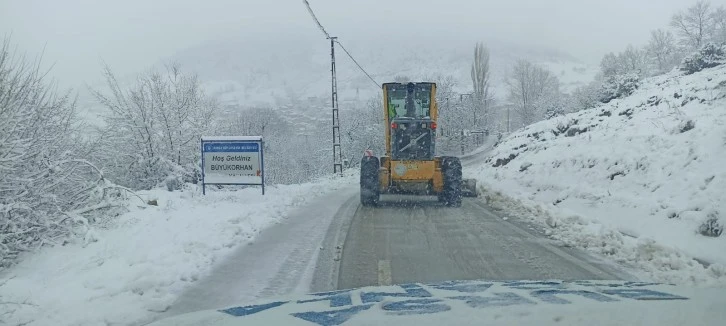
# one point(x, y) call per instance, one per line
point(233, 160)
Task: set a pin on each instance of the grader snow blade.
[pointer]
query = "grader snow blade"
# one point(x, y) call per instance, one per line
point(468, 188)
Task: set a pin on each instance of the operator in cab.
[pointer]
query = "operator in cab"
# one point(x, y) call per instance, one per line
point(410, 103)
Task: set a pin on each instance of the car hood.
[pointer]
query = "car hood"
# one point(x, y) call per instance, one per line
point(482, 303)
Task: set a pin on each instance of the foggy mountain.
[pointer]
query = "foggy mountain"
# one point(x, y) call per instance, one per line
point(288, 69)
point(291, 73)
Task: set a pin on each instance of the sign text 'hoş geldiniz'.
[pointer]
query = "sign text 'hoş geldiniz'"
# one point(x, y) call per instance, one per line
point(232, 161)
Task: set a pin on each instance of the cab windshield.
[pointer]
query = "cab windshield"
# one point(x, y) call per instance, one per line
point(409, 100)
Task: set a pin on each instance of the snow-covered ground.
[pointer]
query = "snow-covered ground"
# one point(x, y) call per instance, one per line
point(634, 179)
point(142, 261)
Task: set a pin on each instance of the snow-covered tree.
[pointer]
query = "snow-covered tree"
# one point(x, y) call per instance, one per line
point(586, 96)
point(292, 155)
point(719, 25)
point(610, 65)
point(619, 86)
point(362, 129)
point(662, 50)
point(154, 127)
point(620, 76)
point(529, 85)
point(47, 191)
point(449, 112)
point(695, 26)
point(632, 60)
point(635, 60)
point(480, 78)
point(710, 55)
point(253, 121)
point(554, 111)
point(555, 104)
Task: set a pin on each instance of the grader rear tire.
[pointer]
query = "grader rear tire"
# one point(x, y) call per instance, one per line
point(369, 187)
point(451, 169)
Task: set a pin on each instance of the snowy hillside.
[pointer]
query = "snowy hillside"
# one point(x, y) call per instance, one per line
point(640, 179)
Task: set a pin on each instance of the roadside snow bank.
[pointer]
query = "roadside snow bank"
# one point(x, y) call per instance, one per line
point(641, 179)
point(142, 262)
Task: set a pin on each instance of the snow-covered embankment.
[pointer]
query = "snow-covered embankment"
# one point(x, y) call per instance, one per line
point(143, 260)
point(641, 179)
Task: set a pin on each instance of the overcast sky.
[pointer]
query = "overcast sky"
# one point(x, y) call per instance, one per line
point(133, 34)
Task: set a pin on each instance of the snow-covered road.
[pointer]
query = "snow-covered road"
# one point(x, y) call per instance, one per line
point(280, 261)
point(424, 241)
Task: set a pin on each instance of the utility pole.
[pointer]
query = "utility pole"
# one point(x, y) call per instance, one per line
point(337, 154)
point(337, 151)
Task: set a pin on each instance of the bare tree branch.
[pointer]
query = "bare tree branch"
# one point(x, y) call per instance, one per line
point(529, 85)
point(695, 26)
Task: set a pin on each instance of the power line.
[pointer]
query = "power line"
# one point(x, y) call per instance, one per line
point(337, 146)
point(315, 18)
point(310, 10)
point(357, 64)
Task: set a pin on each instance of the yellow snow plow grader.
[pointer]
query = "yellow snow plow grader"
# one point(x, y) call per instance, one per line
point(410, 165)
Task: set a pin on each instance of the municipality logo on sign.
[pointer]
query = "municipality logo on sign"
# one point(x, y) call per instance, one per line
point(231, 147)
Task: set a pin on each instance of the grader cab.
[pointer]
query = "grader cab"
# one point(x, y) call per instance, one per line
point(410, 165)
